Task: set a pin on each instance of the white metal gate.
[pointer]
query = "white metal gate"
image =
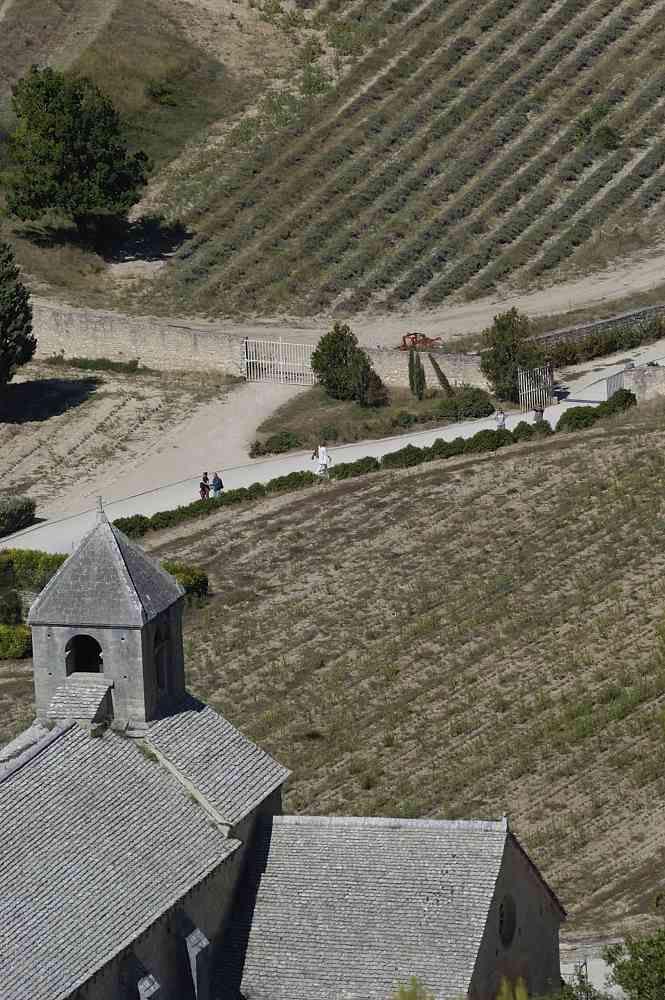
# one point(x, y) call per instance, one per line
point(277, 361)
point(535, 387)
point(613, 383)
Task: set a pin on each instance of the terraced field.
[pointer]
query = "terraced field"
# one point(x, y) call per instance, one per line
point(464, 148)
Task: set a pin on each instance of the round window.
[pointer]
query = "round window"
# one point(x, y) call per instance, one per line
point(507, 920)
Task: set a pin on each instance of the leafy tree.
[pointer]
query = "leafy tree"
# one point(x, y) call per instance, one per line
point(507, 347)
point(335, 361)
point(638, 966)
point(17, 345)
point(69, 153)
point(345, 370)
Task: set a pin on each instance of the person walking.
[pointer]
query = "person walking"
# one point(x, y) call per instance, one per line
point(500, 420)
point(204, 487)
point(217, 485)
point(323, 460)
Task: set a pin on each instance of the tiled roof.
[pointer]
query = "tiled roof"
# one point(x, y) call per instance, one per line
point(346, 907)
point(231, 772)
point(106, 581)
point(97, 840)
point(80, 696)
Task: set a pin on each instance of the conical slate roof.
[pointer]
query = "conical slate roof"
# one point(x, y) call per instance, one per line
point(106, 581)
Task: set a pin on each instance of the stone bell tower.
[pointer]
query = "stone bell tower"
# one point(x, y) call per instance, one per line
point(107, 636)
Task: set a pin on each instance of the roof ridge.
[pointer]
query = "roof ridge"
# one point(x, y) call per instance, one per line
point(488, 826)
point(33, 751)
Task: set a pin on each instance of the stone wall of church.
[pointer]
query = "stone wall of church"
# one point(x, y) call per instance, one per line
point(533, 952)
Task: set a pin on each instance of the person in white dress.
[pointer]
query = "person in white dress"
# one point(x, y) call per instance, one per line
point(323, 460)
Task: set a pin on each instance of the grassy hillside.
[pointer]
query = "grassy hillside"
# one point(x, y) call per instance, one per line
point(462, 641)
point(467, 147)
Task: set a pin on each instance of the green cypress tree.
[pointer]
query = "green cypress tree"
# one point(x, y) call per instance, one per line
point(412, 371)
point(419, 380)
point(17, 345)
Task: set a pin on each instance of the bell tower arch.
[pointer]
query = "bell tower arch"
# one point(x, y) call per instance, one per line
point(107, 636)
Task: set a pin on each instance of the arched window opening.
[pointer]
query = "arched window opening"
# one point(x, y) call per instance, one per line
point(84, 654)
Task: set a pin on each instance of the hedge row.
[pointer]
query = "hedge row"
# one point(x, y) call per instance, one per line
point(485, 440)
point(601, 342)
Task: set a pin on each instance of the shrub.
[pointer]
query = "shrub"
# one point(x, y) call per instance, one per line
point(15, 642)
point(192, 578)
point(543, 428)
point(578, 418)
point(404, 458)
point(292, 481)
point(370, 390)
point(335, 361)
point(130, 367)
point(276, 444)
point(31, 569)
point(15, 513)
point(417, 380)
point(347, 470)
point(403, 419)
point(507, 347)
point(466, 403)
point(485, 440)
point(134, 526)
point(523, 431)
point(255, 491)
point(447, 449)
point(619, 402)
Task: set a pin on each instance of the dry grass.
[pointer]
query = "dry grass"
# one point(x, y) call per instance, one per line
point(459, 640)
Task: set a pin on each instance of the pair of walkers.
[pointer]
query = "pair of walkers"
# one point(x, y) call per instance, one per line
point(205, 486)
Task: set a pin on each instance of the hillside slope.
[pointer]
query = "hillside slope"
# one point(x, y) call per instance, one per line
point(468, 147)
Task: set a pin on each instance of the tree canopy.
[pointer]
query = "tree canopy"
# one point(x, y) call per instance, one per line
point(17, 345)
point(69, 153)
point(344, 369)
point(507, 347)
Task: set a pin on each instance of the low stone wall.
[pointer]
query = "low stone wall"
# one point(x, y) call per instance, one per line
point(639, 317)
point(646, 381)
point(393, 367)
point(156, 342)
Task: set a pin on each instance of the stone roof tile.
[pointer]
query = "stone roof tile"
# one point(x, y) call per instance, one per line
point(97, 840)
point(231, 772)
point(80, 696)
point(350, 907)
point(107, 581)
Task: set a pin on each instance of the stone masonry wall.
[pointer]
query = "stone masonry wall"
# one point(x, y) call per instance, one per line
point(638, 317)
point(647, 381)
point(393, 367)
point(156, 342)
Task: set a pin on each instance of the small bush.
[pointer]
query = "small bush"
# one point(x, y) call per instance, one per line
point(542, 428)
point(15, 513)
point(486, 440)
point(347, 470)
point(466, 403)
point(403, 419)
point(134, 526)
point(292, 481)
point(523, 431)
point(619, 402)
point(255, 491)
point(447, 449)
point(276, 444)
point(15, 642)
point(578, 418)
point(192, 578)
point(130, 367)
point(404, 458)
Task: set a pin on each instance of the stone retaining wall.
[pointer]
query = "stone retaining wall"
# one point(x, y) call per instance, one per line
point(156, 342)
point(393, 367)
point(646, 381)
point(637, 318)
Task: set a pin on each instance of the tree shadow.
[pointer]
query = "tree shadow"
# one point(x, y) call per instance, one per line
point(116, 241)
point(23, 402)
